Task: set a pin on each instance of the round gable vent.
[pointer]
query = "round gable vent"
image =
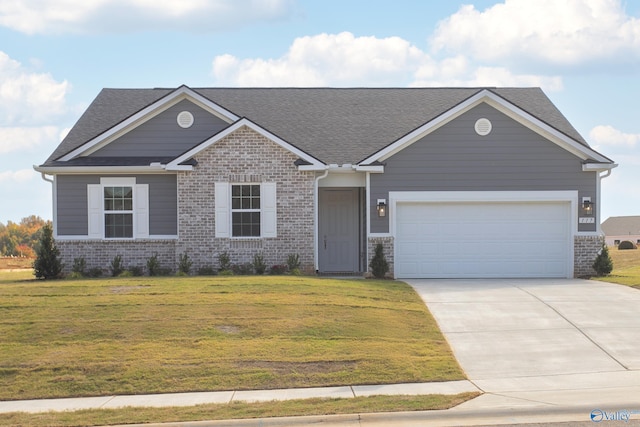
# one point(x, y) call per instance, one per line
point(483, 127)
point(185, 119)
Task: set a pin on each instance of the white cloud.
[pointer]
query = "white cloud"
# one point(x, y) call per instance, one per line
point(346, 60)
point(326, 59)
point(17, 177)
point(27, 139)
point(606, 135)
point(27, 97)
point(82, 16)
point(566, 32)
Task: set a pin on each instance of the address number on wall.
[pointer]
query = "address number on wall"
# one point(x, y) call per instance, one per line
point(587, 220)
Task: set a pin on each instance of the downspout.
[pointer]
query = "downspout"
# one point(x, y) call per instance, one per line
point(54, 207)
point(599, 199)
point(316, 219)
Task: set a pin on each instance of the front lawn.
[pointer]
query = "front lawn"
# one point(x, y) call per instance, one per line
point(176, 334)
point(626, 267)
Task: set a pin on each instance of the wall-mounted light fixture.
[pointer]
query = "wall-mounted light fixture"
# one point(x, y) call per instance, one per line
point(587, 206)
point(382, 207)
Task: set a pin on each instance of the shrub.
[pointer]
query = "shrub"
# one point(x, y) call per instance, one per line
point(295, 272)
point(136, 270)
point(153, 265)
point(95, 272)
point(116, 266)
point(258, 264)
point(224, 261)
point(226, 273)
point(207, 271)
point(184, 264)
point(79, 266)
point(293, 263)
point(242, 269)
point(47, 264)
point(603, 264)
point(379, 265)
point(625, 244)
point(277, 269)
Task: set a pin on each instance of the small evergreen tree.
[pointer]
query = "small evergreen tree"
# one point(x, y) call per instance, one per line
point(379, 265)
point(603, 265)
point(47, 264)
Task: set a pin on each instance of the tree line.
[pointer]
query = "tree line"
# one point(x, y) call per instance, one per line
point(20, 239)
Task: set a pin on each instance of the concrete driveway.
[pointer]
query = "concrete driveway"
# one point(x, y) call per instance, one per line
point(543, 341)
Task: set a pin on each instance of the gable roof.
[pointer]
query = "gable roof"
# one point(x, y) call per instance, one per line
point(333, 125)
point(621, 226)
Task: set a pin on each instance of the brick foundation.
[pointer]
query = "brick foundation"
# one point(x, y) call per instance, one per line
point(584, 254)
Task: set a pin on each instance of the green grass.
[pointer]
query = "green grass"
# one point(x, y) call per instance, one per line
point(177, 334)
point(626, 267)
point(236, 410)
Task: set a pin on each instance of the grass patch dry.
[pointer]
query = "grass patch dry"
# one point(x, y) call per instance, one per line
point(236, 410)
point(626, 267)
point(177, 334)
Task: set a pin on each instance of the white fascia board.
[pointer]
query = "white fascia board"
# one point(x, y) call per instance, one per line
point(501, 105)
point(373, 169)
point(174, 164)
point(147, 113)
point(598, 167)
point(54, 170)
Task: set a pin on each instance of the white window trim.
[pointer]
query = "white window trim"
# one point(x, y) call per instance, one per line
point(96, 212)
point(223, 211)
point(232, 210)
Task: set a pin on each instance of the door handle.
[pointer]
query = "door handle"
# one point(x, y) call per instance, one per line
point(325, 242)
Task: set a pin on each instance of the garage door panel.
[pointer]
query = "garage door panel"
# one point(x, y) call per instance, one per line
point(469, 240)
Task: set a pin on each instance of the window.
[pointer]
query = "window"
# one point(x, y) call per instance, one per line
point(118, 208)
point(118, 212)
point(245, 210)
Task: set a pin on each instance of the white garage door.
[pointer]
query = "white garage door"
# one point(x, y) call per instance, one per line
point(482, 240)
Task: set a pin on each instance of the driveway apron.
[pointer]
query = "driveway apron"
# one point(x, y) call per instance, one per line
point(521, 336)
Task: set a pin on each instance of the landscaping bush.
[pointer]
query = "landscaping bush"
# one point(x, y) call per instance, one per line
point(95, 272)
point(184, 264)
point(47, 264)
point(153, 265)
point(116, 266)
point(293, 262)
point(242, 269)
point(603, 264)
point(379, 265)
point(224, 262)
point(136, 270)
point(625, 244)
point(79, 266)
point(258, 264)
point(277, 269)
point(207, 271)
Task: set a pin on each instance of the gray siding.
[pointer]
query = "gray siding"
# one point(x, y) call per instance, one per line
point(161, 136)
point(72, 219)
point(455, 158)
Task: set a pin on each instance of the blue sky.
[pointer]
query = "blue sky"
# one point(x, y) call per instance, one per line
point(56, 55)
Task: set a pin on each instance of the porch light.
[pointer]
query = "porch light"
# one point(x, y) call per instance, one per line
point(382, 207)
point(587, 206)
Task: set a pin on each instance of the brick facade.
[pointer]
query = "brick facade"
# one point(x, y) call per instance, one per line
point(134, 253)
point(246, 156)
point(585, 251)
point(387, 244)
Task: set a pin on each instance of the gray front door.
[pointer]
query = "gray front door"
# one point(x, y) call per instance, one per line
point(339, 230)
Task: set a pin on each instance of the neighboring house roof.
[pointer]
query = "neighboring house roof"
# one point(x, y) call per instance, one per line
point(621, 226)
point(331, 124)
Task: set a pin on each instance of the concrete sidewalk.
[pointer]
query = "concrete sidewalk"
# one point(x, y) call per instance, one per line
point(224, 397)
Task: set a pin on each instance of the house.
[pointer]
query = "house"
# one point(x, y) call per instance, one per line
point(454, 182)
point(617, 229)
